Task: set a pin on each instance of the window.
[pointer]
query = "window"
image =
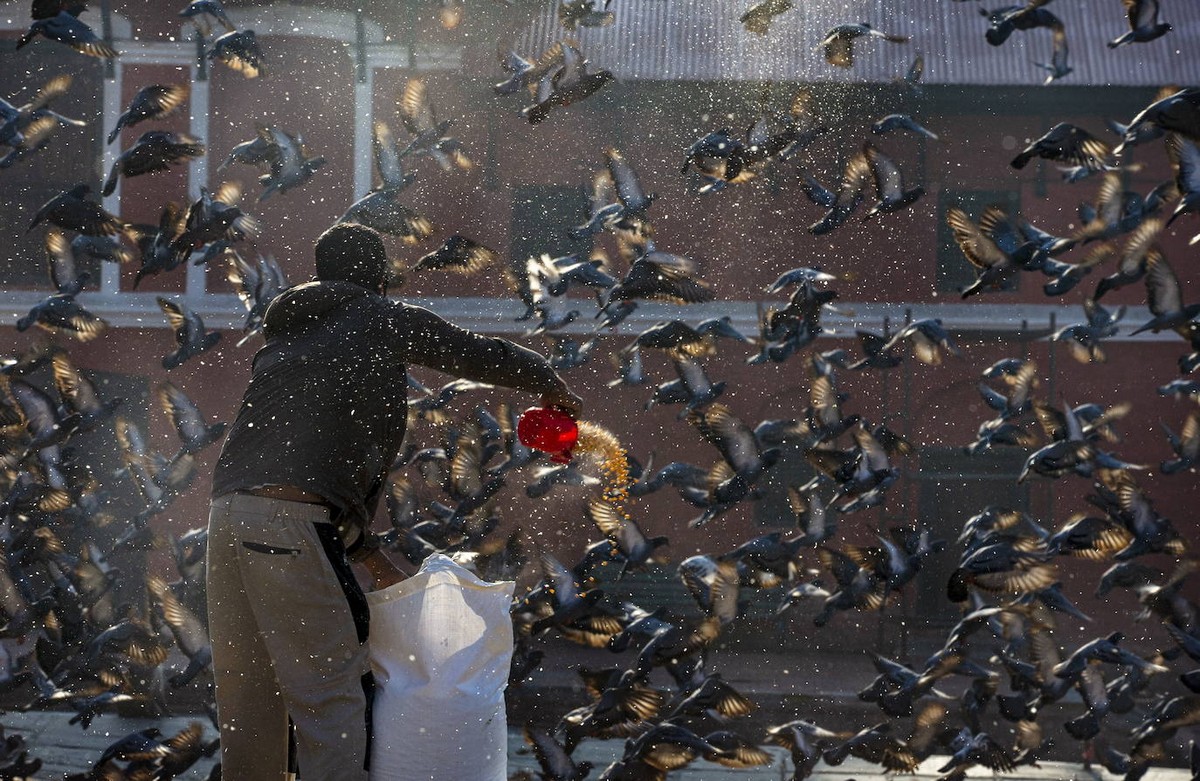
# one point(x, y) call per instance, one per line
point(542, 216)
point(97, 449)
point(68, 159)
point(773, 509)
point(954, 272)
point(98, 452)
point(952, 487)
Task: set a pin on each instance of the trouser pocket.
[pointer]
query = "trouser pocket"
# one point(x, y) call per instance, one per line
point(274, 550)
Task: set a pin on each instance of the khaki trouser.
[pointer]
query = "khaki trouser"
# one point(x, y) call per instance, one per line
point(285, 643)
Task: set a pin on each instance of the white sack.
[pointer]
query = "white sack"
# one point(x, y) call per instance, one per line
point(440, 647)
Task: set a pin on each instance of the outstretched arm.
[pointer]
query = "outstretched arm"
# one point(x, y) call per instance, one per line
point(437, 344)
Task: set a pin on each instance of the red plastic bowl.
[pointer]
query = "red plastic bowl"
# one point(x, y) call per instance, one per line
point(549, 430)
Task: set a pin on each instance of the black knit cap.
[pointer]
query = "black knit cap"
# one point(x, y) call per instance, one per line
point(352, 253)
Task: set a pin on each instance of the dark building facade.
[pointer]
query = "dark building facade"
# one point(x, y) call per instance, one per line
point(333, 72)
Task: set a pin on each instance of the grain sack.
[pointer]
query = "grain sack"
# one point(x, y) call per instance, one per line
point(440, 646)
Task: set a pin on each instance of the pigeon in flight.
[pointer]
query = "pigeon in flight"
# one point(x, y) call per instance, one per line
point(64, 273)
point(458, 254)
point(1143, 23)
point(572, 82)
point(27, 128)
point(901, 122)
point(290, 163)
point(429, 135)
point(62, 313)
point(839, 42)
point(1164, 297)
point(154, 151)
point(72, 211)
point(889, 183)
point(1069, 144)
point(1058, 67)
point(257, 284)
point(239, 50)
point(1178, 112)
point(848, 197)
point(58, 20)
point(157, 101)
point(205, 14)
point(190, 334)
point(758, 17)
point(573, 14)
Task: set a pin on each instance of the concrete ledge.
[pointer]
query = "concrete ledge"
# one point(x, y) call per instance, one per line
point(498, 316)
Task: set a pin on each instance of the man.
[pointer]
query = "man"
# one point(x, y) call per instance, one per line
point(294, 491)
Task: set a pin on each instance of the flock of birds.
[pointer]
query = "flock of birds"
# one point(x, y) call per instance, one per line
point(84, 643)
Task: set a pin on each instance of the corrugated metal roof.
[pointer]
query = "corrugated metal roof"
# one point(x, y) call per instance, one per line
point(702, 40)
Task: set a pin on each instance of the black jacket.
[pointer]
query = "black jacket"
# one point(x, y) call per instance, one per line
point(326, 406)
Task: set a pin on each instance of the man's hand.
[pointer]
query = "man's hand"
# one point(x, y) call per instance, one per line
point(383, 572)
point(563, 399)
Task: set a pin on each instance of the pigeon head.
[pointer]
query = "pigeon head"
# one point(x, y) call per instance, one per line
point(349, 252)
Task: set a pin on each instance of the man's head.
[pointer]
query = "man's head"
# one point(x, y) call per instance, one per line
point(352, 253)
